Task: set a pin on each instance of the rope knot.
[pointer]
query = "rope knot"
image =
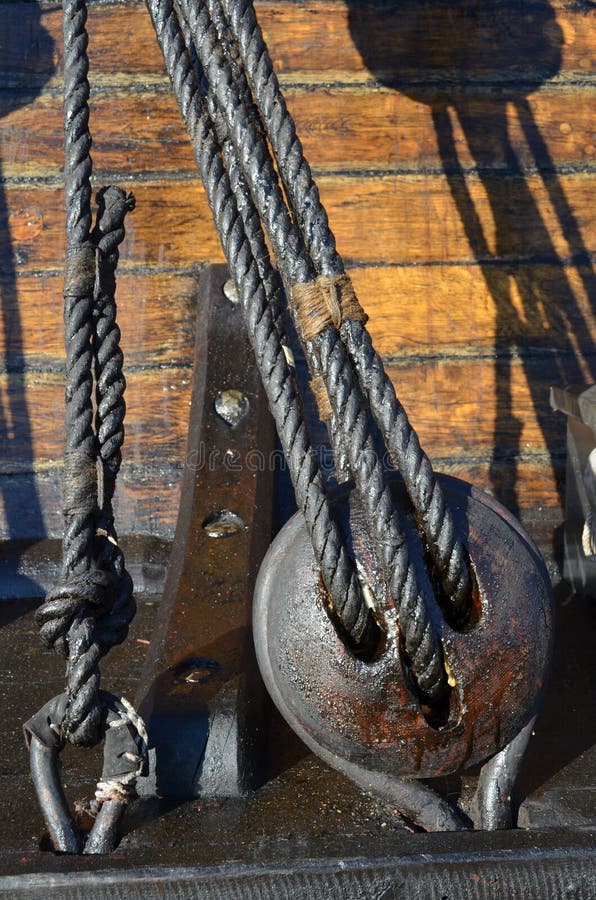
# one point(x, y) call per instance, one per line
point(96, 589)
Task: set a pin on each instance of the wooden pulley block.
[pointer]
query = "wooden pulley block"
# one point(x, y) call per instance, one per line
point(363, 716)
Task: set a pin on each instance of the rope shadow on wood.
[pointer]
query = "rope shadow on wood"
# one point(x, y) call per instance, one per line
point(474, 66)
point(23, 517)
point(477, 81)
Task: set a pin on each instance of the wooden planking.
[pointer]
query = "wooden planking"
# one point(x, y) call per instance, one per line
point(162, 232)
point(415, 42)
point(450, 401)
point(453, 404)
point(396, 218)
point(157, 402)
point(147, 501)
point(414, 311)
point(155, 312)
point(322, 40)
point(382, 128)
point(415, 245)
point(440, 311)
point(341, 129)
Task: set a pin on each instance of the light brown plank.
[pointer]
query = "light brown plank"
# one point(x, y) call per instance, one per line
point(341, 129)
point(320, 40)
point(156, 314)
point(456, 409)
point(414, 311)
point(31, 406)
point(465, 310)
point(406, 219)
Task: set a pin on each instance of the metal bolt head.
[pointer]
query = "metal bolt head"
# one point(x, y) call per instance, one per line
point(224, 523)
point(232, 406)
point(230, 292)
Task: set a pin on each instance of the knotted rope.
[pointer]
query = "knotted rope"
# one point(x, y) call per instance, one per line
point(90, 610)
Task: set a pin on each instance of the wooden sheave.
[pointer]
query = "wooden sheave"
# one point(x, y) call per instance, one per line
point(453, 148)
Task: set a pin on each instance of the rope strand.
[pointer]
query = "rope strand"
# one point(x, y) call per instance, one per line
point(337, 568)
point(402, 442)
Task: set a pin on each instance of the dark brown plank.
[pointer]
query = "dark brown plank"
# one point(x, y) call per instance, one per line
point(147, 498)
point(155, 312)
point(157, 402)
point(146, 502)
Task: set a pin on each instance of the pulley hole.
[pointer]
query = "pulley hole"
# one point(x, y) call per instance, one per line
point(440, 714)
point(371, 643)
point(463, 620)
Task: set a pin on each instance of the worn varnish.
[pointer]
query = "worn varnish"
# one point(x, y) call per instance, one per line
point(454, 147)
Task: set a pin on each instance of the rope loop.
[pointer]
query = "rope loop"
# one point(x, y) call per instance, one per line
point(124, 761)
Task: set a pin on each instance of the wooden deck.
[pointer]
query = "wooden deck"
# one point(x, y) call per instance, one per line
point(453, 145)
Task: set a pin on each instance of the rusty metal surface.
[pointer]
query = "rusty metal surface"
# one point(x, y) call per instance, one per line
point(366, 712)
point(200, 691)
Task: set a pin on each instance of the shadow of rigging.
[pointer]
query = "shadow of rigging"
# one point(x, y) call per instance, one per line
point(474, 63)
point(26, 63)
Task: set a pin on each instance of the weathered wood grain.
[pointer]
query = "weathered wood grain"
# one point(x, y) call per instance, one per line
point(342, 128)
point(453, 403)
point(147, 500)
point(329, 40)
point(383, 219)
point(155, 312)
point(465, 310)
point(418, 311)
point(454, 149)
point(157, 402)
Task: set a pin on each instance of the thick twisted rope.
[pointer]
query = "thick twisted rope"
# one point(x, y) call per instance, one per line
point(89, 611)
point(271, 205)
point(408, 585)
point(242, 191)
point(113, 205)
point(237, 230)
point(402, 442)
